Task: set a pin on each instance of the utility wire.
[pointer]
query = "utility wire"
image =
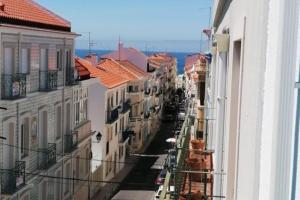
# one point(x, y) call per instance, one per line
point(82, 158)
point(8, 171)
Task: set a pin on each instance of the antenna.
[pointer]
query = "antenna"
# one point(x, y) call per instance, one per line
point(119, 46)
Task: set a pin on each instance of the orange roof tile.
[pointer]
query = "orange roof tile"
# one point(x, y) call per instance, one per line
point(157, 60)
point(123, 68)
point(107, 78)
point(29, 13)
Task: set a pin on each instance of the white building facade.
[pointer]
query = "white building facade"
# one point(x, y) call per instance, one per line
point(252, 90)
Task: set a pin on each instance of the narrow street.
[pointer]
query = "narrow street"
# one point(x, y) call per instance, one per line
point(143, 176)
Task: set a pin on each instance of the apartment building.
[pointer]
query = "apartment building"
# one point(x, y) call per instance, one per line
point(42, 126)
point(254, 90)
point(153, 100)
point(137, 92)
point(108, 110)
point(166, 65)
point(195, 84)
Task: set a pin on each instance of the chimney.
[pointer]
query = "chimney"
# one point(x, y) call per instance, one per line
point(93, 58)
point(2, 6)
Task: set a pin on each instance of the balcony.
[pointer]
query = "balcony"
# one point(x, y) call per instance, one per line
point(47, 157)
point(125, 135)
point(71, 141)
point(13, 179)
point(48, 80)
point(13, 86)
point(146, 115)
point(125, 106)
point(70, 76)
point(112, 116)
point(147, 92)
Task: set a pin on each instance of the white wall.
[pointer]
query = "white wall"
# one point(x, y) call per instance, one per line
point(96, 113)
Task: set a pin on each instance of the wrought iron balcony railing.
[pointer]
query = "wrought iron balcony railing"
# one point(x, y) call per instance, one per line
point(71, 141)
point(125, 135)
point(13, 86)
point(48, 80)
point(112, 116)
point(13, 179)
point(47, 156)
point(70, 76)
point(125, 106)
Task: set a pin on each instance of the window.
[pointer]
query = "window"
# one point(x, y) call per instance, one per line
point(68, 58)
point(130, 88)
point(25, 138)
point(67, 181)
point(44, 60)
point(116, 128)
point(59, 59)
point(107, 147)
point(80, 105)
point(58, 122)
point(58, 180)
point(117, 98)
point(112, 102)
point(25, 61)
point(136, 88)
point(77, 168)
point(9, 62)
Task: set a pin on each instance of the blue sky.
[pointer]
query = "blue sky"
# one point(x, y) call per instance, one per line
point(152, 24)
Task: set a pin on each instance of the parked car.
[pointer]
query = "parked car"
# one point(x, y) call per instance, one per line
point(161, 177)
point(158, 192)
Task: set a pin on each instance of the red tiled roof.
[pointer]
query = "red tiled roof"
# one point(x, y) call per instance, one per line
point(192, 59)
point(122, 68)
point(133, 55)
point(133, 68)
point(29, 13)
point(107, 78)
point(161, 59)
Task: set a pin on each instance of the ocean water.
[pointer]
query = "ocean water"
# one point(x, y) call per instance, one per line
point(179, 55)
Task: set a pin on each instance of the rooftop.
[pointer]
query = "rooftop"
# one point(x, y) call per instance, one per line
point(28, 13)
point(107, 78)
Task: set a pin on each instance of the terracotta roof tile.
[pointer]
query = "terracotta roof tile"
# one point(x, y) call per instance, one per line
point(29, 11)
point(107, 78)
point(125, 69)
point(192, 59)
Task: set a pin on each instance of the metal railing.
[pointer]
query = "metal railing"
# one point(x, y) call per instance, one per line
point(70, 76)
point(13, 179)
point(13, 86)
point(47, 156)
point(125, 106)
point(112, 116)
point(48, 80)
point(71, 141)
point(126, 134)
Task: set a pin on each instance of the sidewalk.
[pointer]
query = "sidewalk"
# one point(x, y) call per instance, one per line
point(109, 190)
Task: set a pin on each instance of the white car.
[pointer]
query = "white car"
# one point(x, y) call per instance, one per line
point(158, 192)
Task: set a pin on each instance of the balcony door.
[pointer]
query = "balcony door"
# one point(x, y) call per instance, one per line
point(43, 128)
point(43, 67)
point(9, 60)
point(9, 153)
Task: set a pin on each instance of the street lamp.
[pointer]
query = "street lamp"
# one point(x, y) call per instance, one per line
point(98, 137)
